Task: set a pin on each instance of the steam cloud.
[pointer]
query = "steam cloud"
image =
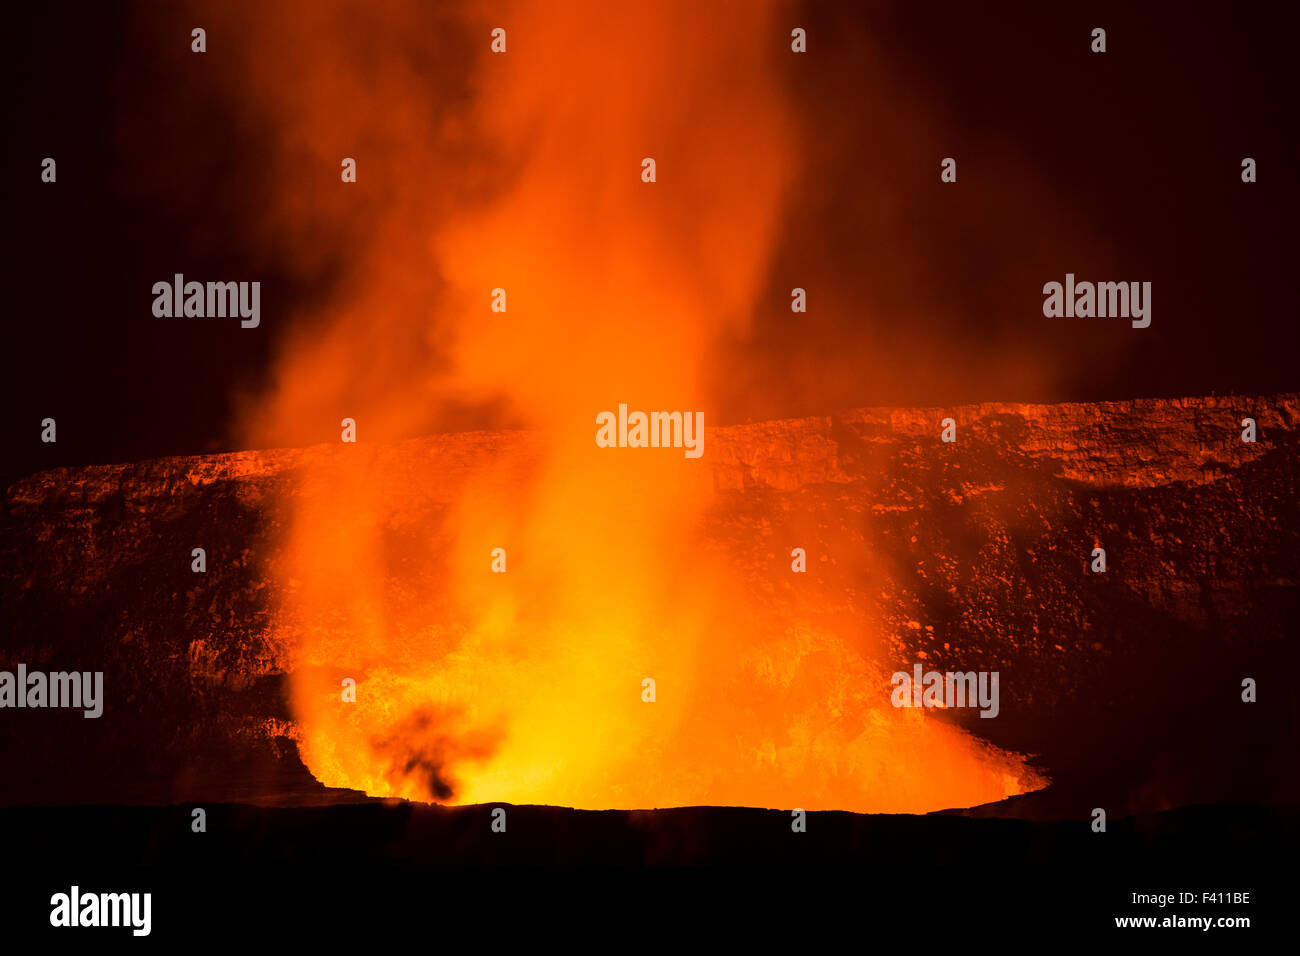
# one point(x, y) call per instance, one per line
point(521, 171)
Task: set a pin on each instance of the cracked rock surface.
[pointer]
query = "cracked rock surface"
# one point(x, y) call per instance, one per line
point(970, 555)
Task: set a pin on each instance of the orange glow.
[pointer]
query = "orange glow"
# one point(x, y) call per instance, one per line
point(526, 687)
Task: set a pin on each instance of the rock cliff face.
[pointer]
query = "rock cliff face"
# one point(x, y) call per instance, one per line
point(966, 555)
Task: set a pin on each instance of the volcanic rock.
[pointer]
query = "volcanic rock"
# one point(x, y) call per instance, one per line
point(970, 555)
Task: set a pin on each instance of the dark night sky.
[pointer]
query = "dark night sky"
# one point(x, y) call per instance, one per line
point(1122, 166)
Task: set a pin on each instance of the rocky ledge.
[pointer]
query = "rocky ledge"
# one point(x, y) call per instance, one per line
point(973, 554)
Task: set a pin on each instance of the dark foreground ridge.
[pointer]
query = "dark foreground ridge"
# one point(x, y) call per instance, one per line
point(255, 866)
